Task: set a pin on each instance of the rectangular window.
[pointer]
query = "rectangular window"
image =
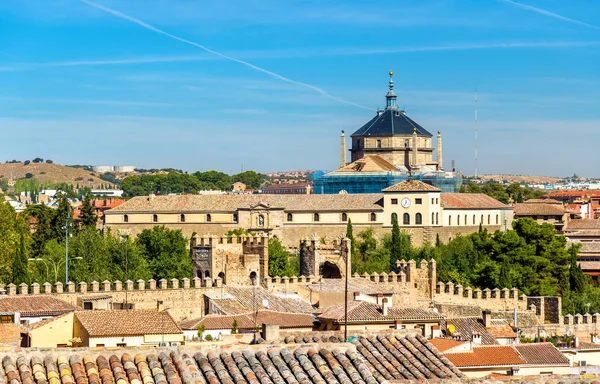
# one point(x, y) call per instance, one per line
point(87, 305)
point(121, 344)
point(418, 201)
point(99, 345)
point(394, 201)
point(545, 218)
point(378, 143)
point(6, 319)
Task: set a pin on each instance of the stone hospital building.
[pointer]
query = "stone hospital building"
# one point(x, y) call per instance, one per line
point(422, 210)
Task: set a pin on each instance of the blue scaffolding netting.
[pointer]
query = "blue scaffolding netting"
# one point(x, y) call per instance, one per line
point(332, 183)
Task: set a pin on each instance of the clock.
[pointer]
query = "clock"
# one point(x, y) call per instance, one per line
point(405, 202)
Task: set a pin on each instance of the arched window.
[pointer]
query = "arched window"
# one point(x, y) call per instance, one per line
point(290, 217)
point(316, 217)
point(206, 274)
point(432, 218)
point(373, 216)
point(458, 220)
point(344, 217)
point(466, 222)
point(126, 218)
point(208, 218)
point(449, 220)
point(182, 218)
point(253, 277)
point(473, 219)
point(437, 218)
point(481, 222)
point(261, 221)
point(497, 220)
point(235, 217)
point(489, 219)
point(406, 219)
point(155, 218)
point(394, 218)
point(418, 219)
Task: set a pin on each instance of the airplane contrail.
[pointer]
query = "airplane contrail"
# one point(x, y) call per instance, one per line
point(143, 24)
point(550, 14)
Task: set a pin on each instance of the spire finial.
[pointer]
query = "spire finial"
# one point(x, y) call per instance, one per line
point(414, 129)
point(391, 95)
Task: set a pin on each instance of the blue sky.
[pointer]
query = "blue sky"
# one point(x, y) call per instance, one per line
point(128, 82)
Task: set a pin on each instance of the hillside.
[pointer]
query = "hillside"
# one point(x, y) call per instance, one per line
point(51, 173)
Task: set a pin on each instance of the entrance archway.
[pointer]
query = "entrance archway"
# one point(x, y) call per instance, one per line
point(329, 270)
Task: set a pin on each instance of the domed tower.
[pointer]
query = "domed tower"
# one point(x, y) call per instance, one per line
point(395, 137)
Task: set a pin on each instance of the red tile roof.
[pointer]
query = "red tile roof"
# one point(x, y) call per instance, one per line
point(444, 345)
point(470, 201)
point(35, 305)
point(539, 209)
point(541, 354)
point(502, 331)
point(127, 323)
point(486, 356)
point(285, 320)
point(579, 224)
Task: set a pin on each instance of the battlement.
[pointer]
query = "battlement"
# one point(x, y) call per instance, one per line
point(107, 286)
point(493, 299)
point(208, 240)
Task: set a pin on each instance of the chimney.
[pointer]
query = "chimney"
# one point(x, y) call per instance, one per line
point(595, 338)
point(343, 150)
point(384, 306)
point(487, 318)
point(379, 297)
point(438, 149)
point(356, 296)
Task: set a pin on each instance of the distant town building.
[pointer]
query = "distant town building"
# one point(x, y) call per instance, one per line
point(544, 211)
point(421, 209)
point(107, 192)
point(288, 189)
point(238, 187)
point(113, 168)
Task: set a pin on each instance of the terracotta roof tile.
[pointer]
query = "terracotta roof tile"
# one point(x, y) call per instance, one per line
point(444, 345)
point(35, 305)
point(285, 320)
point(361, 311)
point(231, 203)
point(541, 354)
point(127, 323)
point(373, 361)
point(470, 201)
point(370, 163)
point(501, 331)
point(466, 326)
point(412, 186)
point(579, 224)
point(539, 209)
point(486, 356)
point(245, 299)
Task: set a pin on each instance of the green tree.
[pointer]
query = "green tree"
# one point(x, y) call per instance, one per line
point(396, 246)
point(165, 251)
point(20, 267)
point(350, 236)
point(234, 327)
point(88, 216)
point(278, 258)
point(40, 216)
point(11, 229)
point(201, 330)
point(62, 218)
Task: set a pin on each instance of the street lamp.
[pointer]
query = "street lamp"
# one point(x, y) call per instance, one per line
point(55, 265)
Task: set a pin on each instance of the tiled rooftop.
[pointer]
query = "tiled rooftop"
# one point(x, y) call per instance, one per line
point(501, 331)
point(362, 285)
point(231, 203)
point(369, 163)
point(127, 323)
point(539, 209)
point(246, 321)
point(467, 326)
point(247, 299)
point(444, 345)
point(470, 201)
point(582, 224)
point(412, 186)
point(374, 361)
point(487, 356)
point(541, 354)
point(35, 305)
point(361, 311)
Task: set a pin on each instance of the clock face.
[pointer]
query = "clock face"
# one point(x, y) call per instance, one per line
point(405, 202)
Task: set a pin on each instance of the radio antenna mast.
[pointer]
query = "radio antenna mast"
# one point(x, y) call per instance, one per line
point(476, 133)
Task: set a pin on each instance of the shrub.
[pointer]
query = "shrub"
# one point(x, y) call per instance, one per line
point(208, 337)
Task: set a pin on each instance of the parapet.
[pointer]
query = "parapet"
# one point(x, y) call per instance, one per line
point(209, 240)
point(108, 286)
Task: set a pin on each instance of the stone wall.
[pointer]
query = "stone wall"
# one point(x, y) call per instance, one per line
point(489, 299)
